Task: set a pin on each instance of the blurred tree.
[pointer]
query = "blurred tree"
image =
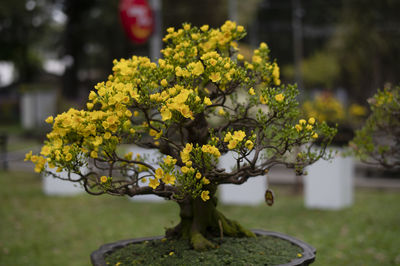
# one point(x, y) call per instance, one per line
point(366, 44)
point(22, 27)
point(273, 24)
point(93, 38)
point(320, 70)
point(211, 12)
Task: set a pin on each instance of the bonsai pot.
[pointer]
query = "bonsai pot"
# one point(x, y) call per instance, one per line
point(307, 255)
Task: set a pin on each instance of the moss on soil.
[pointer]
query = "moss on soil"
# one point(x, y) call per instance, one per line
point(262, 250)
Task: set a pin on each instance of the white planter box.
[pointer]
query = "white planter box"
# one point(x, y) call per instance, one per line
point(329, 185)
point(57, 187)
point(35, 107)
point(28, 107)
point(250, 193)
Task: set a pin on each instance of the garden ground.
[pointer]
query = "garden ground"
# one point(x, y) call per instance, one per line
point(40, 230)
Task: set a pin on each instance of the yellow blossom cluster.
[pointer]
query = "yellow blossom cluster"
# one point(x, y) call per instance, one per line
point(211, 150)
point(308, 127)
point(39, 161)
point(166, 178)
point(325, 107)
point(185, 153)
point(235, 139)
point(260, 61)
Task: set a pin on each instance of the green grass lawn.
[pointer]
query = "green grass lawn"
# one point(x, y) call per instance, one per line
point(40, 230)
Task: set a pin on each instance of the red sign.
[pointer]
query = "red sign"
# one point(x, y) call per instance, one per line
point(137, 19)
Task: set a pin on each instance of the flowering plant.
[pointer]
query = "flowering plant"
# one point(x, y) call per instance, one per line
point(172, 106)
point(326, 107)
point(378, 141)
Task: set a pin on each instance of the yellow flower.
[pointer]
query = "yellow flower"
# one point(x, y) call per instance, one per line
point(107, 135)
point(97, 141)
point(263, 100)
point(171, 253)
point(240, 28)
point(239, 135)
point(28, 156)
point(136, 113)
point(164, 82)
point(103, 179)
point(215, 76)
point(93, 154)
point(240, 57)
point(68, 157)
point(169, 161)
point(205, 181)
point(207, 101)
point(154, 183)
point(251, 91)
point(49, 120)
point(311, 120)
point(185, 156)
point(275, 74)
point(249, 144)
point(256, 59)
point(309, 127)
point(128, 156)
point(298, 127)
point(165, 113)
point(315, 136)
point(89, 106)
point(221, 111)
point(188, 163)
point(198, 69)
point(205, 195)
point(232, 144)
point(204, 28)
point(198, 175)
point(228, 137)
point(263, 45)
point(302, 122)
point(152, 132)
point(279, 97)
point(45, 150)
point(159, 173)
point(186, 112)
point(128, 113)
point(169, 179)
point(92, 95)
point(185, 169)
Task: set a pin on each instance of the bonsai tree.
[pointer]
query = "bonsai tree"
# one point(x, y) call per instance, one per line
point(201, 101)
point(378, 142)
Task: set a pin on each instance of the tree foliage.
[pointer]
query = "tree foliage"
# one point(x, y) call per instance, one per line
point(378, 142)
point(22, 28)
point(202, 100)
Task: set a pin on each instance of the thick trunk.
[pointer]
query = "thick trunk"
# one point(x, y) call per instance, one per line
point(201, 220)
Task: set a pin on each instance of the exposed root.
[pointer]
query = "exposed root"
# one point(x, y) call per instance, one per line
point(200, 243)
point(200, 221)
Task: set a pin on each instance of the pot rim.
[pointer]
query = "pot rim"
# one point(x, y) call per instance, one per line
point(97, 256)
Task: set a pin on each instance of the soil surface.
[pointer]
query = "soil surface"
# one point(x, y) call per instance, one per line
point(262, 250)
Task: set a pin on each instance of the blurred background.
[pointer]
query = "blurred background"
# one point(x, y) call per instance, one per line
point(53, 52)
